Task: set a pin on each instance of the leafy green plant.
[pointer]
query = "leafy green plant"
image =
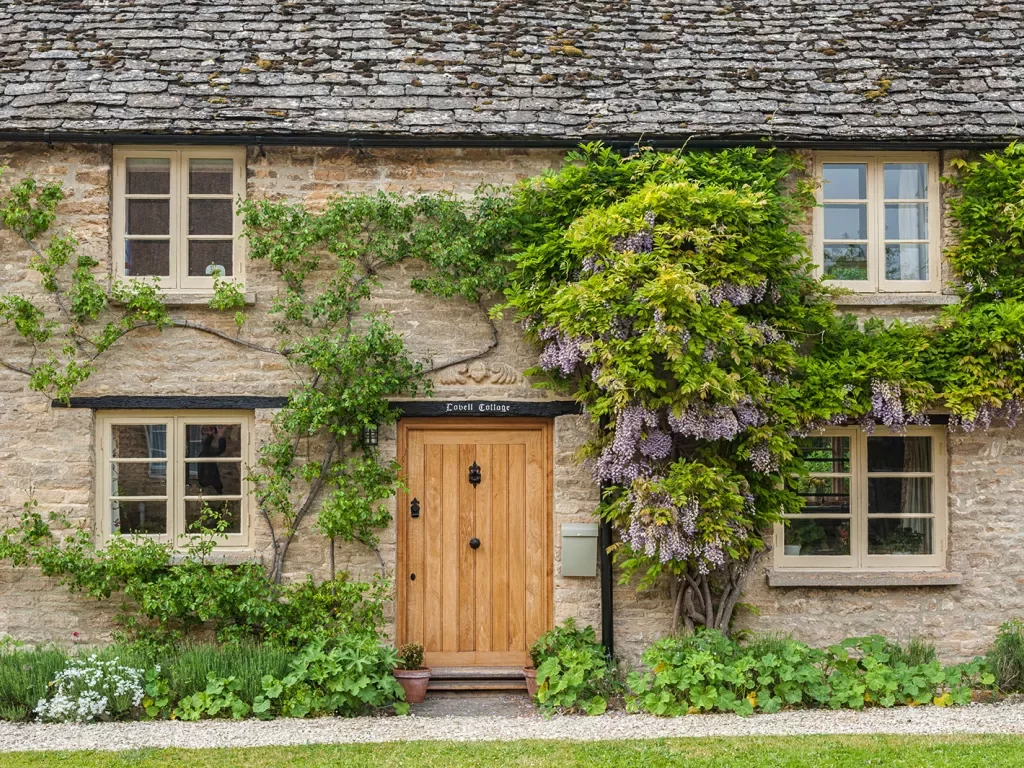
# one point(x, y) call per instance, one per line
point(177, 593)
point(573, 672)
point(903, 539)
point(24, 678)
point(220, 698)
point(351, 678)
point(710, 672)
point(410, 656)
point(1006, 657)
point(89, 688)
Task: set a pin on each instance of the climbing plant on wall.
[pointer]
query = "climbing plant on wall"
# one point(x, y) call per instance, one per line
point(671, 294)
point(347, 362)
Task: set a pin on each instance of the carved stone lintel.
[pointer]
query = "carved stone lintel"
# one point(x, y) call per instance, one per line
point(478, 372)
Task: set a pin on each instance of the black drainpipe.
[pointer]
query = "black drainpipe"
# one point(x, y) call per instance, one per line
point(604, 540)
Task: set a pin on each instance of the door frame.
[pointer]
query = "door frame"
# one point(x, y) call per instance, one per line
point(470, 424)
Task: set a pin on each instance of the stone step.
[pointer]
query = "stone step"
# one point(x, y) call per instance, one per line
point(453, 685)
point(476, 673)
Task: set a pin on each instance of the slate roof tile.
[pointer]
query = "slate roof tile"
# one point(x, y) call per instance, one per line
point(791, 69)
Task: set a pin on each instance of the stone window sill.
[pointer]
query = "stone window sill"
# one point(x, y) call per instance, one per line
point(895, 300)
point(174, 300)
point(777, 578)
point(223, 557)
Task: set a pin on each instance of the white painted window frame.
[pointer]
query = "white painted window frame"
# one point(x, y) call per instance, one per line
point(875, 161)
point(177, 442)
point(179, 280)
point(859, 559)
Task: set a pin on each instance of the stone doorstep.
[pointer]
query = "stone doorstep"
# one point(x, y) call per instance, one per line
point(828, 579)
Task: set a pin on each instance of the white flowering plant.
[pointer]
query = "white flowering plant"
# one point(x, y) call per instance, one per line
point(90, 689)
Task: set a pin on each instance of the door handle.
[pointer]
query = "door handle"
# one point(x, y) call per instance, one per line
point(474, 543)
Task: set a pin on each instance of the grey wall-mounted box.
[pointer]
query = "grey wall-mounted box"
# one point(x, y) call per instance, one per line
point(579, 549)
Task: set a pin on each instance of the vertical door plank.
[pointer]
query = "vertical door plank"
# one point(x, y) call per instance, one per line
point(535, 554)
point(431, 515)
point(450, 548)
point(414, 542)
point(467, 555)
point(516, 547)
point(499, 556)
point(482, 595)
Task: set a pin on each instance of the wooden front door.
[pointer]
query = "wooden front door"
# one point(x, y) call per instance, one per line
point(475, 564)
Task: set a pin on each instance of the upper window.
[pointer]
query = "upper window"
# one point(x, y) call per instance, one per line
point(174, 215)
point(878, 225)
point(871, 502)
point(159, 470)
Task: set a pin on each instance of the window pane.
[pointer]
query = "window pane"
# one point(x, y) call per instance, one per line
point(210, 257)
point(906, 181)
point(906, 261)
point(826, 453)
point(142, 479)
point(846, 222)
point(899, 454)
point(824, 495)
point(213, 478)
point(846, 262)
point(845, 181)
point(817, 538)
point(148, 217)
point(209, 176)
point(138, 441)
point(138, 516)
point(213, 440)
point(223, 510)
point(210, 217)
point(899, 495)
point(892, 536)
point(148, 176)
point(147, 258)
point(906, 221)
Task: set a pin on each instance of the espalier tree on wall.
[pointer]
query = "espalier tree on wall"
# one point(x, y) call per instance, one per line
point(669, 292)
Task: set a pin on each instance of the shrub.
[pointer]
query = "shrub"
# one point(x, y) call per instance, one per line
point(219, 698)
point(187, 671)
point(410, 656)
point(708, 672)
point(24, 679)
point(573, 672)
point(916, 652)
point(351, 678)
point(92, 689)
point(1006, 659)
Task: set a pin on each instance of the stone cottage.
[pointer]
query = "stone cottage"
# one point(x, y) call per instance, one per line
point(157, 115)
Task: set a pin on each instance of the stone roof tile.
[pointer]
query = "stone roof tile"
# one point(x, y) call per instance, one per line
point(791, 69)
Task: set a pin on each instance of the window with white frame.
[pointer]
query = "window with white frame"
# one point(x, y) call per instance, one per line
point(872, 501)
point(174, 220)
point(877, 227)
point(161, 472)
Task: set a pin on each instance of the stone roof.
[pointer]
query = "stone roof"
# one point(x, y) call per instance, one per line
point(798, 70)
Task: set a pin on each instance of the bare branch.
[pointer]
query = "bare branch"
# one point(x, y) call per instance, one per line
point(491, 345)
point(206, 329)
point(15, 368)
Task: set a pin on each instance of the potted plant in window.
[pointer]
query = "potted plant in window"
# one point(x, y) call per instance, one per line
point(810, 535)
point(903, 541)
point(411, 674)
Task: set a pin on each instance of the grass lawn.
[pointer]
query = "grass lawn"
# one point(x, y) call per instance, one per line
point(767, 752)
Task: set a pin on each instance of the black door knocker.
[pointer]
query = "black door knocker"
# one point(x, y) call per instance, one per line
point(474, 474)
point(414, 508)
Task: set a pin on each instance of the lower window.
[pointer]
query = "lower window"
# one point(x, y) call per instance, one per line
point(873, 501)
point(171, 474)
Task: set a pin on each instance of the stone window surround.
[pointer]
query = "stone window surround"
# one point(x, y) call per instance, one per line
point(860, 568)
point(174, 420)
point(916, 292)
point(179, 289)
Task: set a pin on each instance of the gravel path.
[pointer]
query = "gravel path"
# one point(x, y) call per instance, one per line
point(997, 719)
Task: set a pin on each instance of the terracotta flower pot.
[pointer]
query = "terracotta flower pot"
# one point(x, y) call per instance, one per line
point(414, 681)
point(530, 673)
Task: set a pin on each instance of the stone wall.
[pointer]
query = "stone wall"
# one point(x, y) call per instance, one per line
point(49, 454)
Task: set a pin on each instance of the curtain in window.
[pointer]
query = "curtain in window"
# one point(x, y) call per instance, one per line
point(156, 442)
point(917, 491)
point(913, 261)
